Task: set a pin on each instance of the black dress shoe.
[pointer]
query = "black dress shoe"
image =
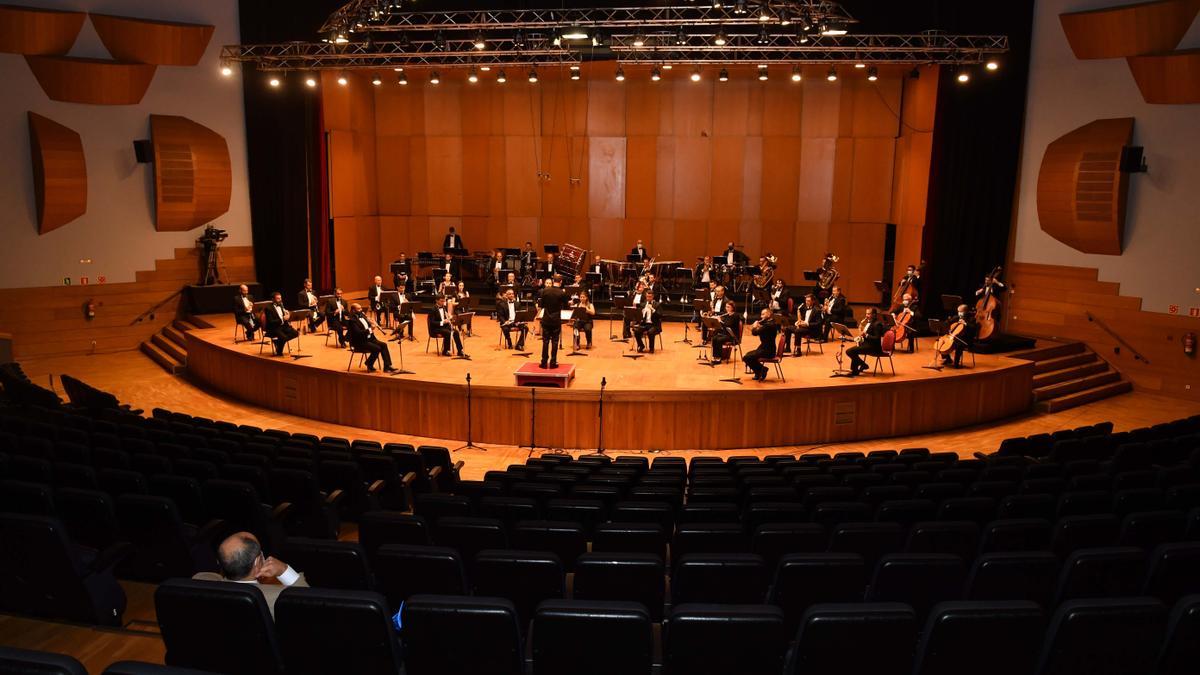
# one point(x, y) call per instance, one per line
point(390, 369)
point(370, 370)
point(553, 365)
point(542, 365)
point(445, 353)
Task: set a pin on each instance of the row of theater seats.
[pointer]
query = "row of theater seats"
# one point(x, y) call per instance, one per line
point(15, 661)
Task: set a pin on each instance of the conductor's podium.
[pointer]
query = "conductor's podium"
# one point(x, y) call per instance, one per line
point(530, 375)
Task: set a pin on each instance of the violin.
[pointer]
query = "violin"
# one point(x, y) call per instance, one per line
point(986, 306)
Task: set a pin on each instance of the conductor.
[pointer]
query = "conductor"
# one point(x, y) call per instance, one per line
point(552, 301)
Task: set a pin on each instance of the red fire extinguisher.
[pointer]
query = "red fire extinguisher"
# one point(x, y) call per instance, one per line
point(1189, 343)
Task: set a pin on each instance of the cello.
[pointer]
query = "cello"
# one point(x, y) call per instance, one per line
point(987, 305)
point(945, 344)
point(901, 328)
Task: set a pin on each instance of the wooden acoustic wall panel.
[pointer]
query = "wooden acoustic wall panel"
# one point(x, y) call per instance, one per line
point(94, 81)
point(59, 173)
point(163, 43)
point(1168, 78)
point(1081, 189)
point(192, 177)
point(29, 30)
point(1129, 30)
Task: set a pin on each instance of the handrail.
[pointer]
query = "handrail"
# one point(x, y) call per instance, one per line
point(1137, 356)
point(155, 307)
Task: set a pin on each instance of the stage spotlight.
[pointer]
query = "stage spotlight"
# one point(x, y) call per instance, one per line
point(479, 43)
point(575, 33)
point(574, 72)
point(519, 39)
point(620, 74)
point(739, 7)
point(402, 41)
point(376, 80)
point(369, 43)
point(655, 74)
point(964, 75)
point(533, 76)
point(681, 37)
point(598, 39)
point(762, 72)
point(872, 74)
point(834, 28)
point(667, 66)
point(342, 80)
point(274, 81)
point(785, 17)
point(434, 78)
point(915, 73)
point(639, 41)
point(310, 81)
point(484, 69)
point(860, 65)
point(832, 75)
point(803, 39)
point(796, 76)
point(720, 40)
point(717, 4)
point(724, 76)
point(501, 78)
point(439, 41)
point(764, 13)
point(402, 79)
point(696, 74)
point(992, 64)
point(340, 38)
point(472, 75)
point(763, 38)
point(226, 70)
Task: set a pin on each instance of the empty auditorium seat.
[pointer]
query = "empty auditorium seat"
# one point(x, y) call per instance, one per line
point(1101, 573)
point(28, 498)
point(870, 540)
point(567, 540)
point(636, 577)
point(1072, 533)
point(1021, 575)
point(435, 627)
point(806, 579)
point(329, 564)
point(403, 570)
point(1109, 636)
point(313, 513)
point(735, 578)
point(1015, 534)
point(980, 638)
point(630, 538)
point(1148, 529)
point(1172, 572)
point(579, 636)
point(163, 545)
point(1181, 649)
point(954, 537)
point(434, 505)
point(15, 661)
point(525, 578)
point(376, 528)
point(919, 580)
point(239, 505)
point(704, 639)
point(835, 639)
point(217, 625)
point(328, 631)
point(470, 535)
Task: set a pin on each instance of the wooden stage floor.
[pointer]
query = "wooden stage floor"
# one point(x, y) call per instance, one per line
point(667, 400)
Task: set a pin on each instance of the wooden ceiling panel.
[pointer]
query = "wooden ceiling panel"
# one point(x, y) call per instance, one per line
point(192, 175)
point(59, 173)
point(1129, 30)
point(94, 81)
point(1168, 78)
point(163, 43)
point(28, 30)
point(1081, 189)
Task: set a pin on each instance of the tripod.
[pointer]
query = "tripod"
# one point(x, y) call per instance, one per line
point(469, 443)
point(213, 264)
point(733, 361)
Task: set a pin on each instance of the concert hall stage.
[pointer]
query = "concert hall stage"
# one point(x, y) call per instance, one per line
point(663, 401)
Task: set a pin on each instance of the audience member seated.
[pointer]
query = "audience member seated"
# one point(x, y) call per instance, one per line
point(242, 561)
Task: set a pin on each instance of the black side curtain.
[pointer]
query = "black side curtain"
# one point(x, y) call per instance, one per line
point(976, 150)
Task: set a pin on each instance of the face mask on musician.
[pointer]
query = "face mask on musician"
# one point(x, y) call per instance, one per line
point(962, 315)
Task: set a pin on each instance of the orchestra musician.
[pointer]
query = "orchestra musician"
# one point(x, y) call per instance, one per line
point(583, 325)
point(731, 321)
point(497, 275)
point(778, 302)
point(403, 314)
point(635, 300)
point(638, 250)
point(447, 287)
point(649, 324)
point(704, 272)
point(362, 339)
point(440, 326)
point(448, 265)
point(868, 342)
point(767, 330)
point(836, 309)
point(992, 285)
point(732, 256)
point(547, 267)
point(275, 323)
point(337, 313)
point(507, 313)
point(717, 304)
point(308, 300)
point(402, 282)
point(809, 321)
point(597, 266)
point(243, 312)
point(462, 298)
point(961, 316)
point(528, 258)
point(552, 301)
point(647, 269)
point(452, 242)
point(907, 308)
point(373, 297)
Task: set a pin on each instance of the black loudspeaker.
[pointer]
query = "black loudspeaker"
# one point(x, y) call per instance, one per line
point(144, 150)
point(1131, 159)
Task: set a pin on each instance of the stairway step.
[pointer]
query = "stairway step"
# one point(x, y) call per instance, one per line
point(1072, 373)
point(185, 325)
point(164, 343)
point(1061, 389)
point(175, 335)
point(1085, 396)
point(161, 358)
point(1060, 362)
point(1052, 350)
point(197, 322)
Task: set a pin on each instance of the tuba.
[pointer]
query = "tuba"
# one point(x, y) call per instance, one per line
point(828, 273)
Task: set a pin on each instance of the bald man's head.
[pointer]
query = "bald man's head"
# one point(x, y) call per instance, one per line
point(239, 555)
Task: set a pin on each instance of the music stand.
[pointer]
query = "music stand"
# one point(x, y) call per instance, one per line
point(458, 321)
point(389, 300)
point(844, 336)
point(938, 328)
point(578, 314)
point(714, 325)
point(882, 288)
point(524, 317)
point(409, 309)
point(950, 303)
point(620, 302)
point(631, 315)
point(734, 377)
point(550, 248)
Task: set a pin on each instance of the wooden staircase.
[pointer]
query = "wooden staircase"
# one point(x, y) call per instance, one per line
point(168, 347)
point(1069, 374)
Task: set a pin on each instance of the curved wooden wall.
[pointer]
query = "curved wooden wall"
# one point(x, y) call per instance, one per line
point(1168, 78)
point(29, 30)
point(94, 81)
point(1081, 190)
point(566, 418)
point(192, 176)
point(163, 43)
point(59, 173)
point(1129, 30)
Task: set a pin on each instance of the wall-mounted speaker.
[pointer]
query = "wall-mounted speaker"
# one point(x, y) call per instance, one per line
point(1132, 160)
point(144, 150)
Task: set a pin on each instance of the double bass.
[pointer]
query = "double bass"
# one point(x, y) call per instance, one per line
point(907, 285)
point(987, 305)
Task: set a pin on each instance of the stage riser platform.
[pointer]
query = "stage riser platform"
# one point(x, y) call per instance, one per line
point(719, 416)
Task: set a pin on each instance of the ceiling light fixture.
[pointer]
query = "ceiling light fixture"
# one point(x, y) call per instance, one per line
point(620, 74)
point(762, 72)
point(832, 75)
point(724, 76)
point(376, 80)
point(533, 78)
point(655, 74)
point(472, 75)
point(796, 75)
point(575, 33)
point(872, 74)
point(720, 40)
point(501, 78)
point(696, 74)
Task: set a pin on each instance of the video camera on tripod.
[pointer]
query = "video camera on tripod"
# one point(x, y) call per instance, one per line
point(212, 236)
point(211, 240)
